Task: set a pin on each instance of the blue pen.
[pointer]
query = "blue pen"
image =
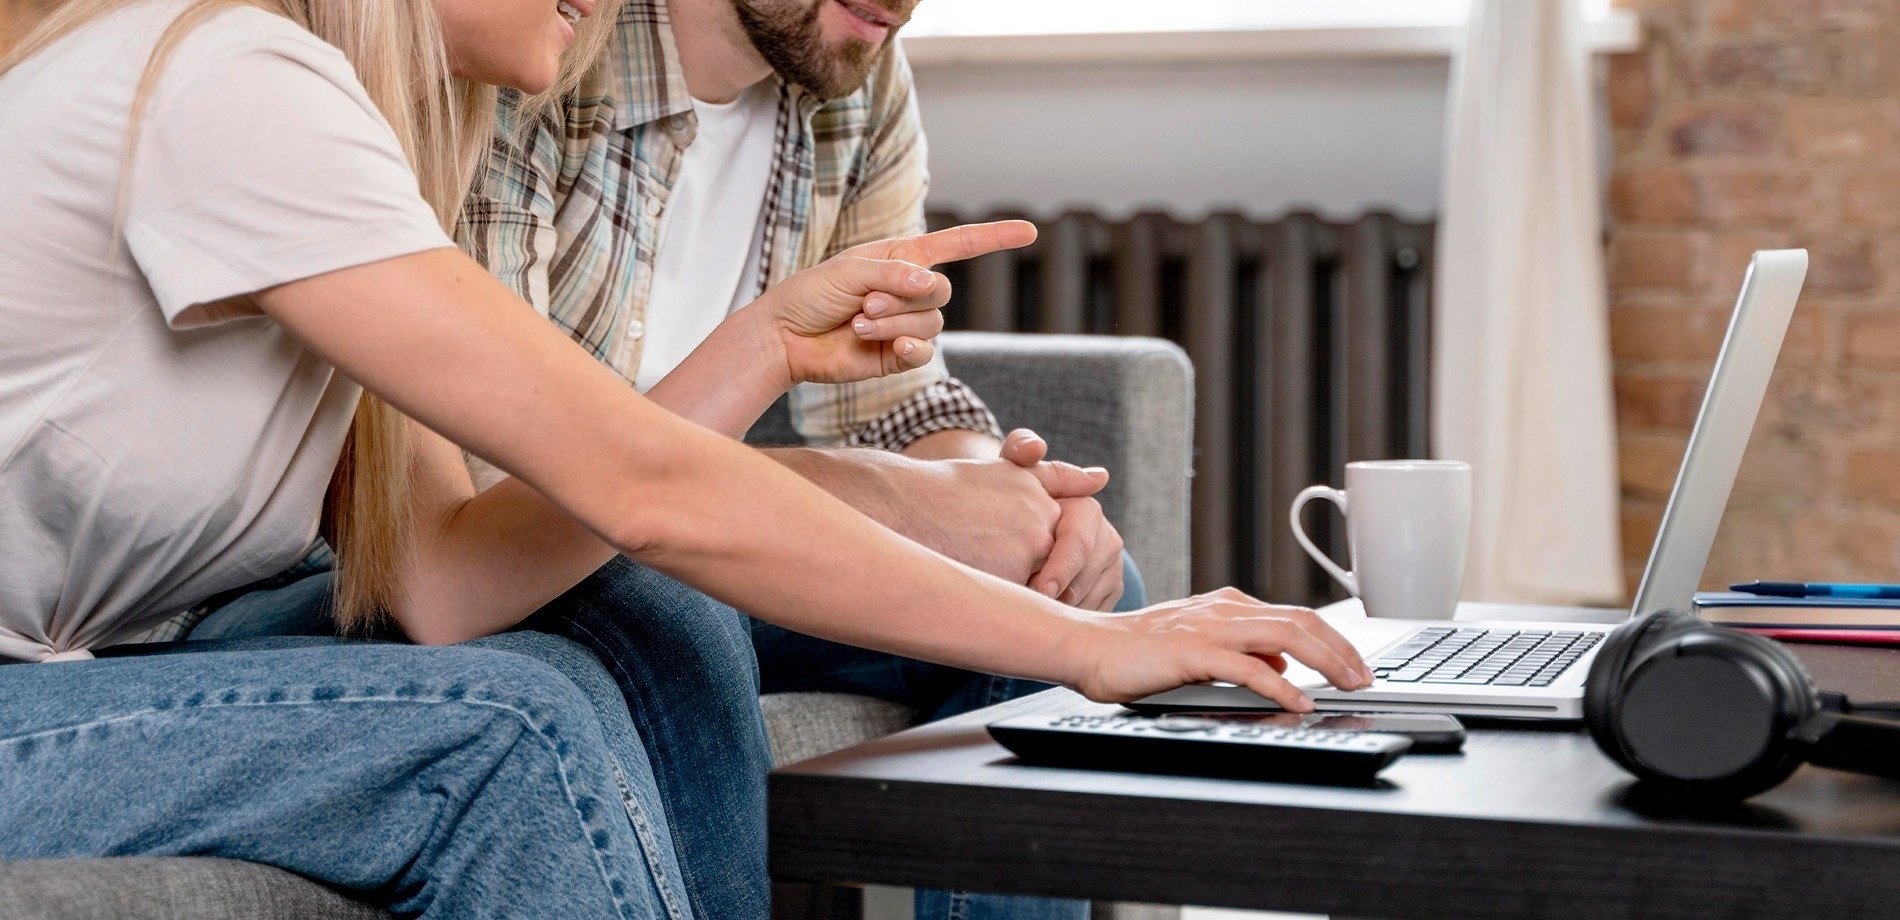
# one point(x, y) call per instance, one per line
point(1818, 589)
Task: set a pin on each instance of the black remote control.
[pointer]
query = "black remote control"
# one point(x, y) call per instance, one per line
point(1199, 746)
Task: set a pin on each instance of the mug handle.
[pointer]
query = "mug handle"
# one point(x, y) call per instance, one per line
point(1332, 568)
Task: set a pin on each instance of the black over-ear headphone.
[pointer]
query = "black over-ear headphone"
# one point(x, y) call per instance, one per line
point(1722, 713)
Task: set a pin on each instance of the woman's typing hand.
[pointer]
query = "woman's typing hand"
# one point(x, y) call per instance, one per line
point(1222, 635)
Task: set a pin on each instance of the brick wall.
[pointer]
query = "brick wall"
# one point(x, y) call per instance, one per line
point(1745, 124)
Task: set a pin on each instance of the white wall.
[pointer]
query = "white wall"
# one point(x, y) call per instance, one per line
point(1261, 137)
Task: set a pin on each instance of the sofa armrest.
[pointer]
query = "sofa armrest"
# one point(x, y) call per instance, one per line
point(1123, 402)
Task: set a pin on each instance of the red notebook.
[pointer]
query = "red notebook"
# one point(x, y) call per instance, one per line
point(1832, 636)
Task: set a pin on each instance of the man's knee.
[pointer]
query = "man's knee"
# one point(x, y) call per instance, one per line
point(626, 609)
point(564, 656)
point(628, 585)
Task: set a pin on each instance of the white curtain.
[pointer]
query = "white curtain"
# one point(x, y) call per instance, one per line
point(1521, 367)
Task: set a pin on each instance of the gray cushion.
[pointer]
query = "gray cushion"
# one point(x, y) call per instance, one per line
point(167, 889)
point(804, 725)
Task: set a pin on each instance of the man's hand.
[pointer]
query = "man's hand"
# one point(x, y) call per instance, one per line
point(1084, 568)
point(871, 310)
point(994, 514)
point(997, 515)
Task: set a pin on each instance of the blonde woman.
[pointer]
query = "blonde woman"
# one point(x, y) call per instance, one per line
point(221, 216)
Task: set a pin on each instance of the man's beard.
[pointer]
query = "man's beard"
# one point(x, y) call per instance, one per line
point(791, 40)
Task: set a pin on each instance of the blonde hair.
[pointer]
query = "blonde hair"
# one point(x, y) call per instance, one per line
point(444, 124)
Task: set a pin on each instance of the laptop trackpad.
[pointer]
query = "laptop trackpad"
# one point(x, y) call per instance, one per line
point(1367, 634)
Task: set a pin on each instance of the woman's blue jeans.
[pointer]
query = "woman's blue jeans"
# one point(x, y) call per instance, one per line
point(691, 670)
point(498, 779)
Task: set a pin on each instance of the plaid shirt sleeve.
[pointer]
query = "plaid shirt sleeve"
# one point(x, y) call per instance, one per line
point(887, 200)
point(508, 219)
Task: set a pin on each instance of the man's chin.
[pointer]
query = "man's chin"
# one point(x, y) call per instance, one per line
point(851, 61)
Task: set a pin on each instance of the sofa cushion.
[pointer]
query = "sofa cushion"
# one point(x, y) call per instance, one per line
point(804, 725)
point(195, 888)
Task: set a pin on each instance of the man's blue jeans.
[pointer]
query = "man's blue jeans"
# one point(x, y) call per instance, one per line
point(470, 782)
point(692, 669)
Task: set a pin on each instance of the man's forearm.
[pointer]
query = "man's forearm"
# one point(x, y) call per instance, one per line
point(865, 478)
point(991, 514)
point(954, 444)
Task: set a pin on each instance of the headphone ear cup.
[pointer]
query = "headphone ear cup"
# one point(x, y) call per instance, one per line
point(1603, 685)
point(1803, 698)
point(1712, 711)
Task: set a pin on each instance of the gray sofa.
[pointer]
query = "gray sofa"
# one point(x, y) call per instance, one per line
point(1123, 403)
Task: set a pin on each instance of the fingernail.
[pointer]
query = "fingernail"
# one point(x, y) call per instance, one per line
point(1049, 588)
point(1095, 470)
point(1302, 703)
point(908, 349)
point(921, 278)
point(1365, 677)
point(876, 304)
point(862, 326)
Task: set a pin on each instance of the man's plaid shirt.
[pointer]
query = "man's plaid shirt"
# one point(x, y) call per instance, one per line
point(567, 213)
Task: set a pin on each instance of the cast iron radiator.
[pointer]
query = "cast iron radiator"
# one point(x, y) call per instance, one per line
point(1310, 347)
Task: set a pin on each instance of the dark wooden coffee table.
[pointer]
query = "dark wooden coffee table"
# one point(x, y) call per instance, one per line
point(1528, 822)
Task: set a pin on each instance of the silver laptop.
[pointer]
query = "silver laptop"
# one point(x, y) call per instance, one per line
point(1522, 662)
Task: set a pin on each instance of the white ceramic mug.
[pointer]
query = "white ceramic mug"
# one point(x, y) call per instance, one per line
point(1407, 523)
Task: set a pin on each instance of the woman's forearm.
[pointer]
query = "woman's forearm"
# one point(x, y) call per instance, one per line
point(840, 576)
point(482, 563)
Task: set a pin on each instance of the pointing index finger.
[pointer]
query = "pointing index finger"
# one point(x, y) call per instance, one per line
point(954, 244)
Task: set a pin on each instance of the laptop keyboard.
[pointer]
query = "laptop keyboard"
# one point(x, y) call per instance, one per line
point(1494, 657)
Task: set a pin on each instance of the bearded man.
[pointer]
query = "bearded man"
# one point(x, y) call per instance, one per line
point(718, 147)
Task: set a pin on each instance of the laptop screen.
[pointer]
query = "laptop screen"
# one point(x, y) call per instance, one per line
point(1722, 430)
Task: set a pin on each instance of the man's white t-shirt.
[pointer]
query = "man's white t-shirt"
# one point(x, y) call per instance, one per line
point(706, 263)
point(160, 440)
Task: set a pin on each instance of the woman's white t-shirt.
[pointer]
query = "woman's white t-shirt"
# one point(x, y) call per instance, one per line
point(160, 439)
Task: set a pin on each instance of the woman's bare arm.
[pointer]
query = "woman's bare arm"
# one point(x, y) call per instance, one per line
point(482, 563)
point(441, 340)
